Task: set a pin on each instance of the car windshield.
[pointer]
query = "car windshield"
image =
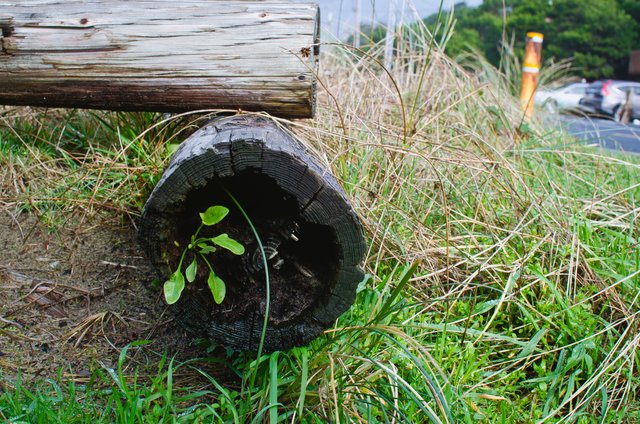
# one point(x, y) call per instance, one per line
point(576, 90)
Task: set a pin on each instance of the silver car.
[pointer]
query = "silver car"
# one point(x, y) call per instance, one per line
point(565, 97)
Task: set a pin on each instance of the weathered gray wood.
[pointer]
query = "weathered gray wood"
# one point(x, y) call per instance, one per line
point(278, 183)
point(160, 55)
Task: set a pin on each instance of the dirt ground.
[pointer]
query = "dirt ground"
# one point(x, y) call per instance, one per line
point(71, 298)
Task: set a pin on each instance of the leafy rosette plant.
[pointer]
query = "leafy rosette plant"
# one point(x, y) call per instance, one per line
point(202, 248)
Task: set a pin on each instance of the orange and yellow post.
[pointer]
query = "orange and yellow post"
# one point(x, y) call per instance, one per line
point(530, 71)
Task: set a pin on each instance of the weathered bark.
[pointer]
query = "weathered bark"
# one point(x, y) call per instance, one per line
point(313, 276)
point(160, 55)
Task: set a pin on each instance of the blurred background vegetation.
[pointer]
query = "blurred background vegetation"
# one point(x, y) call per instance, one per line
point(596, 35)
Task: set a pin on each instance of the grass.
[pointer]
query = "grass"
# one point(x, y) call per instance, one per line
point(503, 276)
point(108, 396)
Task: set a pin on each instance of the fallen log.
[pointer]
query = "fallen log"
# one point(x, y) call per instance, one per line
point(160, 55)
point(299, 210)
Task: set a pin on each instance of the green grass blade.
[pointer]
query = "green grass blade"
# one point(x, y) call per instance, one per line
point(273, 388)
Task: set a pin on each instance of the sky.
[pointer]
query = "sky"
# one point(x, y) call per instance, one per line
point(338, 15)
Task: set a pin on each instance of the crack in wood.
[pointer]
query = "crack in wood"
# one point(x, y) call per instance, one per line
point(313, 199)
point(75, 50)
point(6, 31)
point(63, 27)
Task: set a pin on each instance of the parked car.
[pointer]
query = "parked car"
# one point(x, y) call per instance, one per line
point(565, 97)
point(608, 96)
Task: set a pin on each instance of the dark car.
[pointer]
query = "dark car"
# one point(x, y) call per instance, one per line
point(608, 96)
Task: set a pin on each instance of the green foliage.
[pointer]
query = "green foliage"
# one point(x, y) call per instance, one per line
point(109, 396)
point(213, 215)
point(173, 287)
point(217, 287)
point(596, 35)
point(69, 139)
point(202, 248)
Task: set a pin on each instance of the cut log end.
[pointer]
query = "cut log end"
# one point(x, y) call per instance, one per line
point(311, 236)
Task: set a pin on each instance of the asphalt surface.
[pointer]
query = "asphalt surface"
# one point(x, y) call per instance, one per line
point(604, 133)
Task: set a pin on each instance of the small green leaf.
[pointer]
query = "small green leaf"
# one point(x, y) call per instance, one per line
point(213, 215)
point(173, 287)
point(191, 271)
point(205, 249)
point(217, 287)
point(226, 242)
point(172, 147)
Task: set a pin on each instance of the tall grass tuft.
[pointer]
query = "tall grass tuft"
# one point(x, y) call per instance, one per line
point(524, 304)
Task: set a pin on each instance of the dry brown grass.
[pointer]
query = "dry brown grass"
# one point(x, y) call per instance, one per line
point(443, 170)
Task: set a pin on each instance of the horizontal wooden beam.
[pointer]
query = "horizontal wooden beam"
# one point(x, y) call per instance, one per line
point(161, 55)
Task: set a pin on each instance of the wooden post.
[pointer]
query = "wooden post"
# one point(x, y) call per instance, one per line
point(160, 55)
point(391, 34)
point(530, 71)
point(625, 110)
point(358, 24)
point(312, 235)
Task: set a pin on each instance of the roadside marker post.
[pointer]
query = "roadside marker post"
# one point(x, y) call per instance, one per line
point(530, 71)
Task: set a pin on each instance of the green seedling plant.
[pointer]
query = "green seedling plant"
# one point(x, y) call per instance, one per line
point(202, 248)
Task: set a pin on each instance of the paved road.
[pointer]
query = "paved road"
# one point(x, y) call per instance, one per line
point(604, 133)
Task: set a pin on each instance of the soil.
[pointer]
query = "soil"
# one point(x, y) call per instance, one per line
point(72, 298)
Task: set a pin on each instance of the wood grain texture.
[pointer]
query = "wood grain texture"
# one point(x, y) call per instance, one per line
point(160, 55)
point(278, 182)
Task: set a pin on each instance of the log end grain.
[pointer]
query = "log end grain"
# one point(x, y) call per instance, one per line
point(313, 237)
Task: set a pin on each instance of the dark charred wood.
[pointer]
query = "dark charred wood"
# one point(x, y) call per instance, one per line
point(314, 241)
